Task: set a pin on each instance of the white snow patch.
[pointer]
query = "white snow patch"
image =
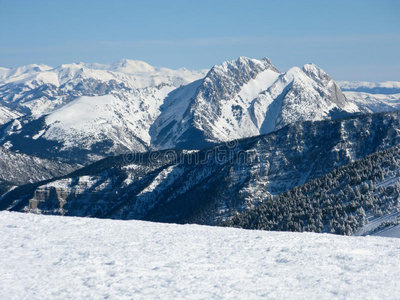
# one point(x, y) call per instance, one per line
point(80, 112)
point(39, 134)
point(160, 178)
point(255, 86)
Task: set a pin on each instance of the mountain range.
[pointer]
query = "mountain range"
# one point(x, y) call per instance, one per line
point(84, 112)
point(247, 133)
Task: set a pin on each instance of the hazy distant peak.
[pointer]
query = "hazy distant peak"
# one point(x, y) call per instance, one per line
point(128, 66)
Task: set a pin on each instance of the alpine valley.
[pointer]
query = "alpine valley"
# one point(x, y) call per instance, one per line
point(242, 144)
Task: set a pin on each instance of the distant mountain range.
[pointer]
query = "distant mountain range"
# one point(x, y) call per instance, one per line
point(83, 112)
point(275, 131)
point(385, 88)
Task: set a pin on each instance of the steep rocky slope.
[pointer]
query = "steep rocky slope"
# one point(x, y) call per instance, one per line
point(213, 184)
point(19, 168)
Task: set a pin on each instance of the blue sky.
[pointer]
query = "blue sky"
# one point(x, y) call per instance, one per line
point(351, 40)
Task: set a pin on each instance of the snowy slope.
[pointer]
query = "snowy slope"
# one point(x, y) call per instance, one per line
point(247, 97)
point(44, 257)
point(38, 89)
point(100, 125)
point(7, 114)
point(301, 95)
point(124, 119)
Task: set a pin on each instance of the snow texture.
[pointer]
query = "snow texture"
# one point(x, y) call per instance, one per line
point(48, 257)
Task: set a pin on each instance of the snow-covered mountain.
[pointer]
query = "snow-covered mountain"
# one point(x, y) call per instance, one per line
point(89, 128)
point(372, 96)
point(80, 113)
point(243, 98)
point(83, 112)
point(213, 184)
point(80, 258)
point(37, 89)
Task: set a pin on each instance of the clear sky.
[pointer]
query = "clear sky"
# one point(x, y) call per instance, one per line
point(351, 40)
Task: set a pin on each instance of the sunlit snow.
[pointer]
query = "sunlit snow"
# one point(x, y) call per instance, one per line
point(48, 257)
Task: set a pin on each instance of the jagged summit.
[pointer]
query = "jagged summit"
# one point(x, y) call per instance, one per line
point(245, 65)
point(247, 97)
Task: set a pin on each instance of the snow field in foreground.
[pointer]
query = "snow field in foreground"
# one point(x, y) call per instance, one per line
point(50, 257)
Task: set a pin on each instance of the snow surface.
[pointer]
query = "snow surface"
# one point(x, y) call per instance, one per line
point(50, 257)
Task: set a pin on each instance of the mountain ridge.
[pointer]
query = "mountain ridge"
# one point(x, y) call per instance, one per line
point(210, 185)
point(239, 98)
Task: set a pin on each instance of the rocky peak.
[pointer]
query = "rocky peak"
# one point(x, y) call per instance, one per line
point(316, 73)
